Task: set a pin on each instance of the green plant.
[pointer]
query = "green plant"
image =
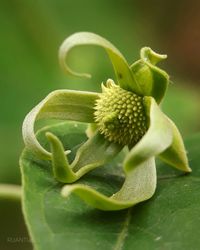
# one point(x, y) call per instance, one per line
point(121, 129)
point(122, 115)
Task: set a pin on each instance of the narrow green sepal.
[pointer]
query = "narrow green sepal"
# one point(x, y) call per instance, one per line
point(139, 185)
point(95, 152)
point(157, 138)
point(176, 154)
point(61, 168)
point(152, 80)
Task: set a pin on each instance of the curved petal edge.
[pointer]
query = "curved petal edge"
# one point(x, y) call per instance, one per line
point(139, 185)
point(176, 155)
point(61, 105)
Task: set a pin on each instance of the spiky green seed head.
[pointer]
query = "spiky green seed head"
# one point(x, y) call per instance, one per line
point(120, 115)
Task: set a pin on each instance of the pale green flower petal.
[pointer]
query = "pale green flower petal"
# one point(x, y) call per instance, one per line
point(139, 185)
point(62, 105)
point(123, 73)
point(176, 155)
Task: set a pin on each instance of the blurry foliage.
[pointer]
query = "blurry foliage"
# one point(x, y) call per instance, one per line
point(31, 33)
point(175, 24)
point(13, 233)
point(182, 105)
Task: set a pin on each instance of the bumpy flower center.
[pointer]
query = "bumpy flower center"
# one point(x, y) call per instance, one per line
point(120, 115)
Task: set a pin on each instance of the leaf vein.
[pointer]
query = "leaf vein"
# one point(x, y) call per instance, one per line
point(124, 232)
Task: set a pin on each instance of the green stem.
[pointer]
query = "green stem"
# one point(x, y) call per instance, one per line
point(10, 191)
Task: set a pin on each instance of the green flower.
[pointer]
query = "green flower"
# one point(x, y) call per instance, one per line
point(125, 114)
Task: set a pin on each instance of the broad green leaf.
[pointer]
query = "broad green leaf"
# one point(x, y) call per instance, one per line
point(152, 80)
point(123, 73)
point(60, 104)
point(168, 220)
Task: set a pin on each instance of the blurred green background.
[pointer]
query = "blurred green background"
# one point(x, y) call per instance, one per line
point(32, 31)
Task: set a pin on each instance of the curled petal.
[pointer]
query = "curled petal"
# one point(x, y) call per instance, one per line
point(152, 80)
point(122, 70)
point(95, 152)
point(139, 185)
point(176, 155)
point(150, 56)
point(62, 105)
point(157, 138)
